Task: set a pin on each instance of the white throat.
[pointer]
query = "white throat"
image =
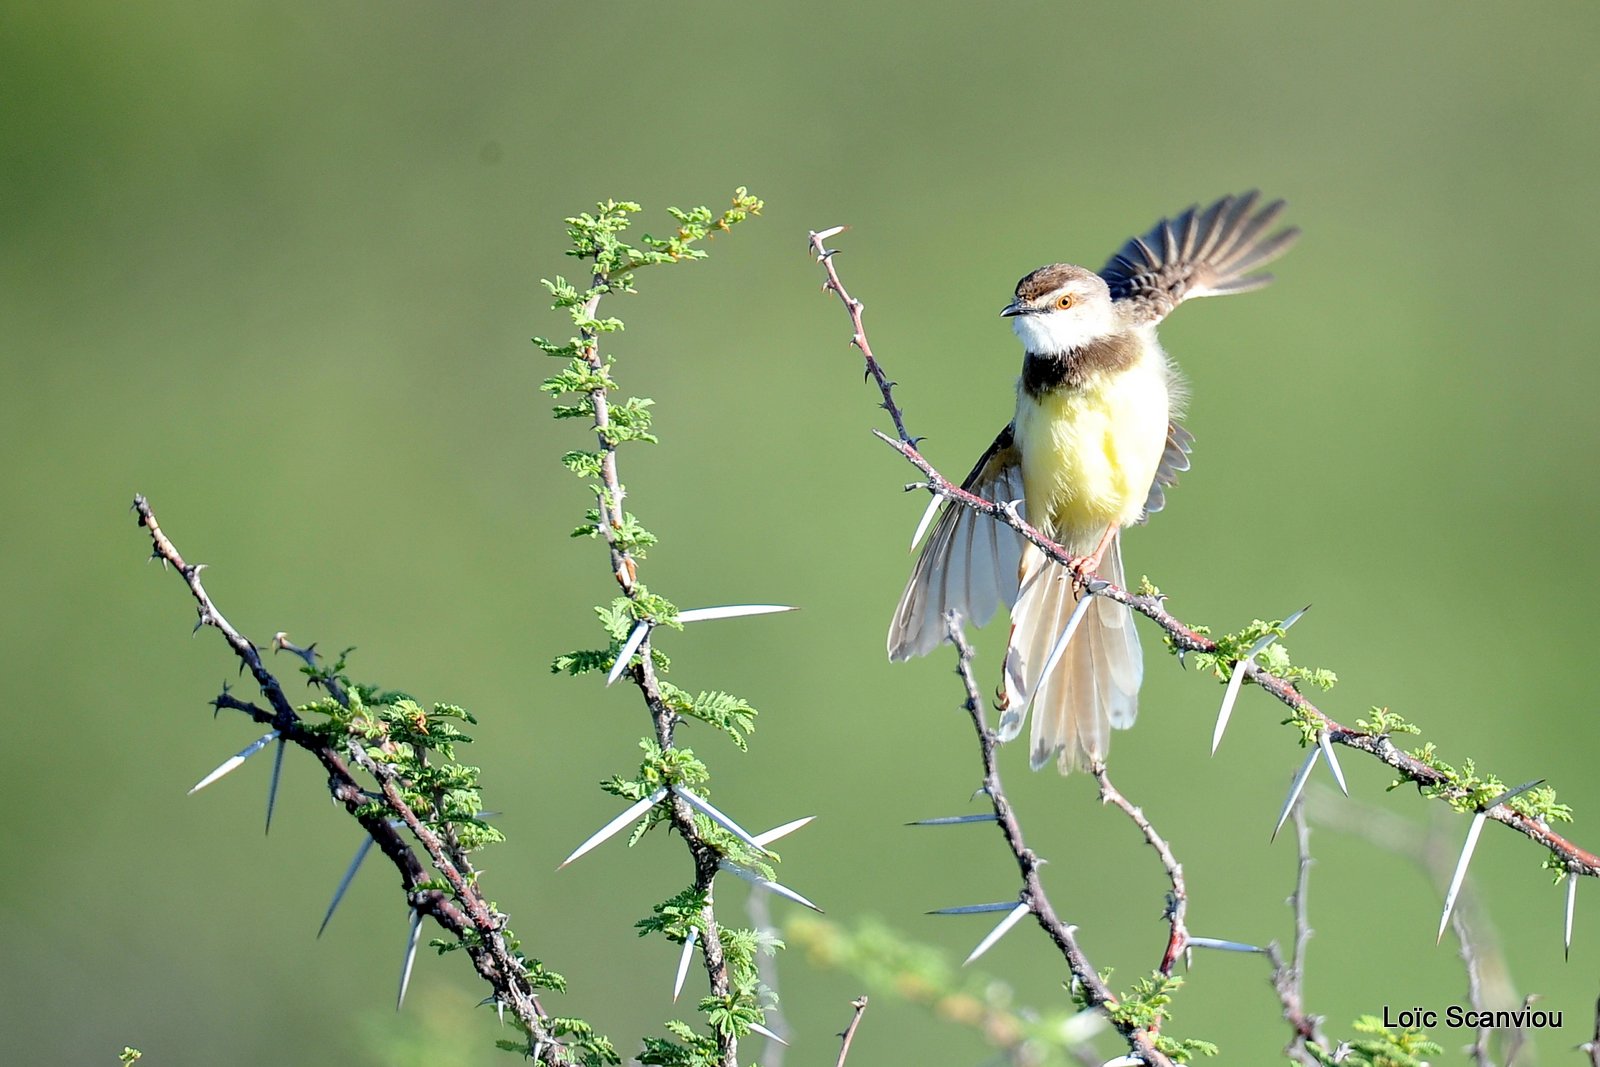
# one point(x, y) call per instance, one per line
point(1057, 332)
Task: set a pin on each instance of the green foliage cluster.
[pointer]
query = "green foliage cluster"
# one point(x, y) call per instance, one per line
point(1383, 1047)
point(585, 389)
point(416, 749)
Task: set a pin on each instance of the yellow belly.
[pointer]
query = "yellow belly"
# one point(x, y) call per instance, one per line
point(1089, 454)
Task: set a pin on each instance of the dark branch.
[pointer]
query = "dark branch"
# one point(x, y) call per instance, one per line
point(1084, 976)
point(464, 912)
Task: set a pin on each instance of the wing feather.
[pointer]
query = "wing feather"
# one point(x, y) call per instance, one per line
point(1203, 253)
point(1174, 461)
point(970, 561)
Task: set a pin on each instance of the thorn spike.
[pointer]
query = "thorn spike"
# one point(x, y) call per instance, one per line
point(1572, 903)
point(1224, 946)
point(1295, 786)
point(715, 815)
point(1017, 912)
point(733, 611)
point(755, 879)
point(955, 820)
point(625, 654)
point(927, 520)
point(683, 963)
point(1460, 874)
point(785, 830)
point(411, 956)
point(975, 909)
point(1325, 742)
point(344, 883)
point(272, 787)
point(1226, 711)
point(233, 762)
point(768, 1034)
point(635, 810)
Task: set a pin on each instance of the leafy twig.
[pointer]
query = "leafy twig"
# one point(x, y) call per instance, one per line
point(462, 909)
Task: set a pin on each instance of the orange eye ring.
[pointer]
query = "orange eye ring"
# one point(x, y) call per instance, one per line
point(1065, 301)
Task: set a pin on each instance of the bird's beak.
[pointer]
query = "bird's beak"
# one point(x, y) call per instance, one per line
point(1012, 309)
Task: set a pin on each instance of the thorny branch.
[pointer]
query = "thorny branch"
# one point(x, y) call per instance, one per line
point(1085, 978)
point(1178, 898)
point(624, 569)
point(1288, 979)
point(1182, 636)
point(464, 912)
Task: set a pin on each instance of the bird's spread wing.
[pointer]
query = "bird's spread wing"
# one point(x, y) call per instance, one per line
point(1208, 252)
point(970, 561)
point(1174, 461)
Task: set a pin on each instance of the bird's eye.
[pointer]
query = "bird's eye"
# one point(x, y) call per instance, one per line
point(1065, 300)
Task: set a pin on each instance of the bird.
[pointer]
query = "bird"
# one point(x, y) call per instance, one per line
point(1095, 443)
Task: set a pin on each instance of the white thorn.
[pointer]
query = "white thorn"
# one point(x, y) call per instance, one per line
point(1325, 742)
point(272, 786)
point(926, 521)
point(232, 762)
point(1295, 786)
point(757, 1028)
point(956, 820)
point(683, 963)
point(1124, 1061)
point(1078, 613)
point(411, 956)
point(1223, 713)
point(975, 909)
point(1224, 946)
point(1460, 874)
point(763, 840)
point(733, 611)
point(998, 932)
point(755, 879)
point(717, 816)
point(629, 647)
point(344, 883)
point(1572, 903)
point(635, 810)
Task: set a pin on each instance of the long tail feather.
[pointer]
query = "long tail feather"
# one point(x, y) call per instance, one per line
point(1093, 688)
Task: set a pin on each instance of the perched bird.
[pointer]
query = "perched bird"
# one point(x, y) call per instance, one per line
point(1093, 446)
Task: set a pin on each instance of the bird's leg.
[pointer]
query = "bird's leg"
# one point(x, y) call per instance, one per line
point(1089, 566)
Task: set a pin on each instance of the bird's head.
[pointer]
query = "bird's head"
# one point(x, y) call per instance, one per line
point(1059, 308)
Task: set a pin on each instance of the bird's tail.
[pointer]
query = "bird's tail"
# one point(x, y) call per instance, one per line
point(1079, 691)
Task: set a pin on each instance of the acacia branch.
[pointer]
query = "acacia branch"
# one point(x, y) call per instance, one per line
point(1086, 980)
point(1288, 978)
point(1178, 898)
point(624, 568)
point(1181, 636)
point(463, 912)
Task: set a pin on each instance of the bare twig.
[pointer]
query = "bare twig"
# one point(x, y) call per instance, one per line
point(463, 912)
point(1182, 636)
point(1178, 898)
point(1085, 978)
point(849, 1035)
point(1288, 979)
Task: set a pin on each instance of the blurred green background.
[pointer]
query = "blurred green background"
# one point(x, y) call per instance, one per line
point(275, 265)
